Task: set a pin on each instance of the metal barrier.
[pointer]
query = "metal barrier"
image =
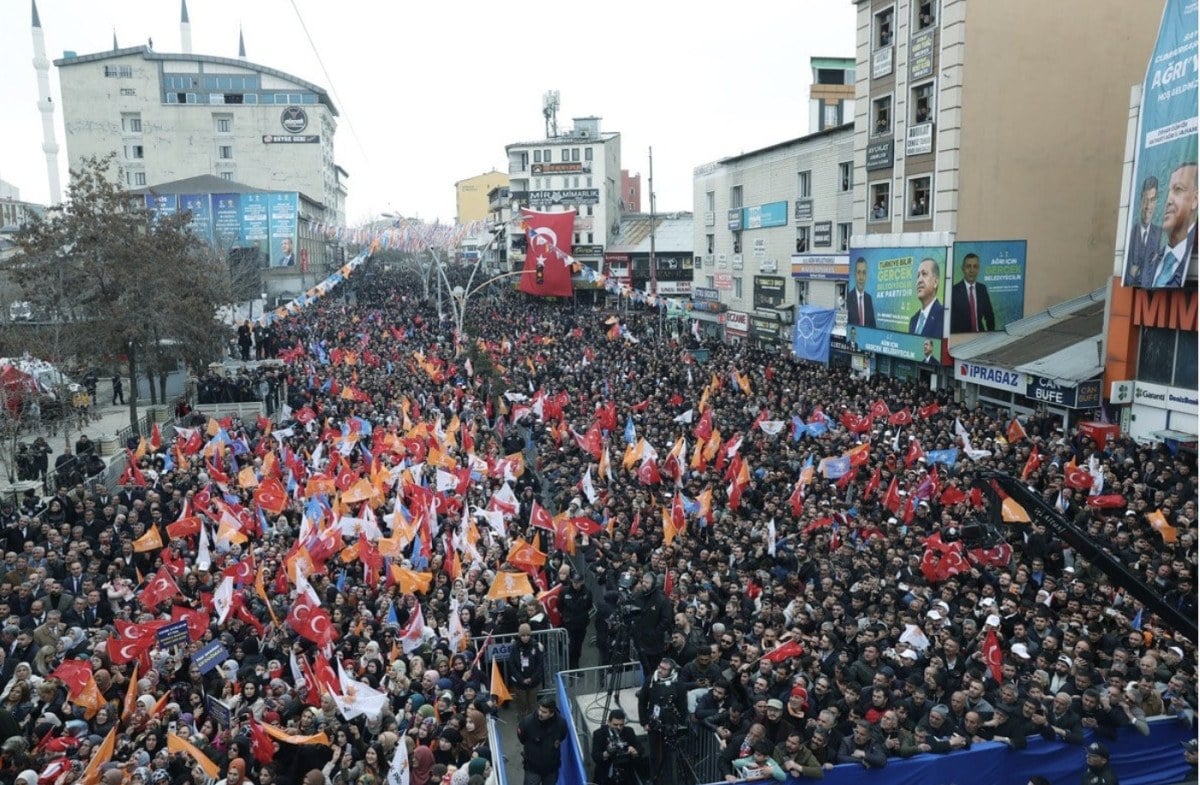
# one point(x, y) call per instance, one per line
point(702, 749)
point(247, 411)
point(554, 646)
point(496, 745)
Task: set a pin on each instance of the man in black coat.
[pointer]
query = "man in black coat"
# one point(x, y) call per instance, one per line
point(651, 624)
point(970, 304)
point(541, 735)
point(575, 605)
point(662, 710)
point(526, 667)
point(616, 751)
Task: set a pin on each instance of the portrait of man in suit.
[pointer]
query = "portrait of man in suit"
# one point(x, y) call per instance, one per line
point(286, 257)
point(970, 305)
point(929, 358)
point(1145, 237)
point(1169, 267)
point(859, 308)
point(928, 320)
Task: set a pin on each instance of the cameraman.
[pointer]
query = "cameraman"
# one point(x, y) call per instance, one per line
point(662, 708)
point(652, 618)
point(615, 751)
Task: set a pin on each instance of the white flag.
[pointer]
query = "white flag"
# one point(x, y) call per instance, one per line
point(410, 636)
point(446, 481)
point(223, 600)
point(399, 774)
point(772, 427)
point(686, 417)
point(589, 490)
point(457, 633)
point(359, 699)
point(771, 537)
point(494, 518)
point(203, 555)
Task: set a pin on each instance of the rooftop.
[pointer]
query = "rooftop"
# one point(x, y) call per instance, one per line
point(672, 234)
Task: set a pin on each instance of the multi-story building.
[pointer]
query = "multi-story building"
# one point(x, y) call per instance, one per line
point(977, 140)
point(631, 192)
point(173, 117)
point(773, 232)
point(580, 170)
point(471, 195)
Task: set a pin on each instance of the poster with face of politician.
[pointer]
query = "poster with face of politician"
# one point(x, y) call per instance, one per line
point(988, 289)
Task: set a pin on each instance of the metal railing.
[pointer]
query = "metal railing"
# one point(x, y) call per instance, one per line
point(701, 747)
point(582, 696)
point(496, 745)
point(554, 646)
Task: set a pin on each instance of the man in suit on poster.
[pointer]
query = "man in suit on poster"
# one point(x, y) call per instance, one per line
point(1145, 237)
point(1170, 267)
point(928, 320)
point(859, 308)
point(970, 305)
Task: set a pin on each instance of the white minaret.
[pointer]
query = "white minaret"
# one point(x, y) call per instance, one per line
point(46, 107)
point(241, 44)
point(185, 30)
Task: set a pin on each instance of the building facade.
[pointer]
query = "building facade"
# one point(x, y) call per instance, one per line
point(969, 149)
point(471, 195)
point(772, 231)
point(170, 117)
point(631, 192)
point(577, 170)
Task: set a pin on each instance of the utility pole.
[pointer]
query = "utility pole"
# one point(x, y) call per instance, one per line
point(653, 221)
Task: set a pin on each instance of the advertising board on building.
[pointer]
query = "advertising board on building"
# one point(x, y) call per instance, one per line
point(1160, 396)
point(822, 234)
point(920, 55)
point(769, 291)
point(990, 376)
point(996, 271)
point(737, 323)
point(901, 295)
point(1085, 395)
point(723, 281)
point(919, 140)
point(704, 293)
point(820, 267)
point(546, 198)
point(764, 216)
point(880, 155)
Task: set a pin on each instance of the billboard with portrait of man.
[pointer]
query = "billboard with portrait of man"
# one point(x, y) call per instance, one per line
point(895, 301)
point(1160, 238)
point(988, 285)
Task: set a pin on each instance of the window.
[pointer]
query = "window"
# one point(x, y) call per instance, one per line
point(845, 176)
point(588, 181)
point(546, 156)
point(566, 155)
point(710, 241)
point(224, 124)
point(574, 153)
point(710, 202)
point(1167, 357)
point(881, 203)
point(922, 103)
point(181, 98)
point(537, 156)
point(216, 98)
point(575, 180)
point(803, 184)
point(737, 242)
point(843, 231)
point(226, 175)
point(881, 116)
point(803, 238)
point(924, 14)
point(588, 210)
point(576, 239)
point(884, 27)
point(233, 98)
point(801, 292)
point(131, 123)
point(225, 152)
point(118, 71)
point(587, 153)
point(134, 152)
point(735, 196)
point(709, 282)
point(737, 287)
point(137, 178)
point(833, 114)
point(589, 238)
point(839, 295)
point(920, 195)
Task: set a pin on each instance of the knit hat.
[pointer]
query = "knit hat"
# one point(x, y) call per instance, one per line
point(476, 766)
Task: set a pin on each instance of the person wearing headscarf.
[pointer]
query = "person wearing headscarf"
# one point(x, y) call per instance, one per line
point(422, 762)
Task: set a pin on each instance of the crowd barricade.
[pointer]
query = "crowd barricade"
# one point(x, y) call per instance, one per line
point(496, 745)
point(571, 687)
point(247, 411)
point(554, 647)
point(702, 750)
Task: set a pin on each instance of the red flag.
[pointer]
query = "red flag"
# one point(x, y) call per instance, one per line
point(548, 247)
point(197, 621)
point(873, 483)
point(914, 453)
point(75, 674)
point(636, 526)
point(156, 441)
point(1031, 465)
point(783, 651)
point(704, 427)
point(1078, 478)
point(539, 517)
point(550, 600)
point(311, 622)
point(929, 411)
point(161, 587)
point(993, 655)
point(648, 474)
point(902, 417)
point(891, 499)
point(880, 409)
point(271, 496)
point(952, 495)
point(262, 746)
point(1015, 433)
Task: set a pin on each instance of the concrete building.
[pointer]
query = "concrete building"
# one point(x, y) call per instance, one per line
point(631, 192)
point(831, 96)
point(579, 169)
point(170, 117)
point(971, 126)
point(773, 231)
point(471, 195)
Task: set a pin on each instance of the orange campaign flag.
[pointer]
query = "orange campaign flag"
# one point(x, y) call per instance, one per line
point(260, 589)
point(410, 581)
point(525, 555)
point(499, 689)
point(213, 427)
point(131, 695)
point(247, 478)
point(669, 530)
point(1013, 512)
point(140, 452)
point(509, 584)
point(102, 755)
point(360, 491)
point(1016, 432)
point(91, 699)
point(150, 541)
point(1165, 530)
point(179, 744)
point(280, 735)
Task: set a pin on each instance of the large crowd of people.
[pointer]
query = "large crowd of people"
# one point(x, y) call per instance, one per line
point(338, 569)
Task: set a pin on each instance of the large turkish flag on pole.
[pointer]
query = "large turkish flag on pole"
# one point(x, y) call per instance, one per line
point(547, 272)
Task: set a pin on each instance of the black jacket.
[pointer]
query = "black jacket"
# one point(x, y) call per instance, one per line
point(653, 620)
point(611, 752)
point(541, 741)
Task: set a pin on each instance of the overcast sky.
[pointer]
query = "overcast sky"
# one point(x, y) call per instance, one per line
point(431, 92)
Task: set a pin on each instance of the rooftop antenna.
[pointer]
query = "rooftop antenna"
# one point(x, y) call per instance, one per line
point(550, 112)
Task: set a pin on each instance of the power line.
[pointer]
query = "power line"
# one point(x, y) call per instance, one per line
point(329, 81)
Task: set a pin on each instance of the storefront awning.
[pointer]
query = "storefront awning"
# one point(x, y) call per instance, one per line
point(1063, 343)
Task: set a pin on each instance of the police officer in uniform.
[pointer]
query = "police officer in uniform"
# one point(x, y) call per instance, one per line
point(575, 605)
point(1098, 771)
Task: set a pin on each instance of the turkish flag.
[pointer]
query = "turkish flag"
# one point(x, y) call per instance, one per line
point(311, 622)
point(184, 527)
point(993, 655)
point(914, 453)
point(902, 417)
point(704, 427)
point(880, 409)
point(551, 600)
point(891, 499)
point(547, 273)
point(197, 621)
point(1078, 478)
point(873, 484)
point(262, 746)
point(539, 517)
point(648, 474)
point(271, 496)
point(930, 410)
point(784, 651)
point(159, 588)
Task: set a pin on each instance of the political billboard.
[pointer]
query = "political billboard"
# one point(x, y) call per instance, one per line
point(268, 221)
point(894, 302)
point(1160, 248)
point(989, 285)
point(284, 209)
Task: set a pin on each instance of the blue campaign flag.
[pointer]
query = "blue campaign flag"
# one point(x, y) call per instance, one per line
point(341, 580)
point(810, 333)
point(690, 506)
point(1137, 621)
point(799, 428)
point(948, 457)
point(837, 467)
point(630, 430)
point(392, 619)
point(168, 462)
point(818, 428)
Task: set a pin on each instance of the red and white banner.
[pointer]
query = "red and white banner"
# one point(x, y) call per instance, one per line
point(547, 271)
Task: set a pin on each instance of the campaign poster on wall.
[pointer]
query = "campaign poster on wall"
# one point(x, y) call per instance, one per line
point(988, 289)
point(255, 222)
point(1160, 248)
point(895, 302)
point(226, 220)
point(162, 204)
point(201, 221)
point(284, 208)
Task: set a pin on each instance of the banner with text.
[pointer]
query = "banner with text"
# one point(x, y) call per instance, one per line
point(898, 290)
point(989, 285)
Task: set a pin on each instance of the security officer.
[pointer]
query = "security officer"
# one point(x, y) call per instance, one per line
point(1098, 771)
point(575, 605)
